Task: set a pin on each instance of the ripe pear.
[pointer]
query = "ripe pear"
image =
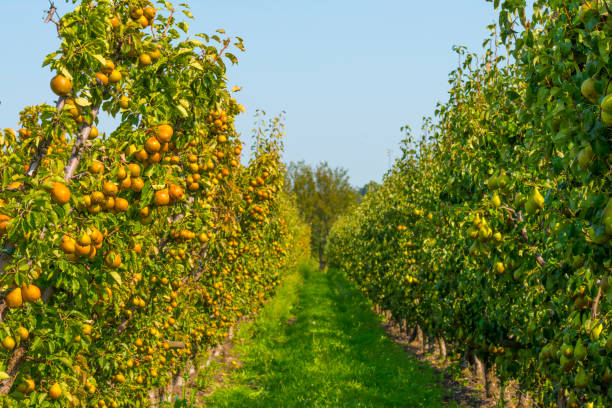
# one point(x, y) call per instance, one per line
point(537, 198)
point(596, 331)
point(499, 268)
point(496, 201)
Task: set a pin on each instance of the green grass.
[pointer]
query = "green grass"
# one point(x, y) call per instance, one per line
point(335, 354)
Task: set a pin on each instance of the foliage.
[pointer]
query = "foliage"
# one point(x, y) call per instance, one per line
point(494, 229)
point(322, 194)
point(147, 241)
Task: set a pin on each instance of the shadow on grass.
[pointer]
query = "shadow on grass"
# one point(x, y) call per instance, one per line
point(320, 345)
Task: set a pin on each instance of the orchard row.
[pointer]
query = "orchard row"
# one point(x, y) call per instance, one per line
point(127, 251)
point(494, 230)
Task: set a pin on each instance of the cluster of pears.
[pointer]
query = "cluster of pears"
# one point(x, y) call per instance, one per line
point(590, 93)
point(218, 123)
point(107, 199)
point(483, 235)
point(499, 181)
point(86, 246)
point(601, 234)
point(532, 203)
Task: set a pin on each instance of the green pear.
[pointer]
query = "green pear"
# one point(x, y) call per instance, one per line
point(503, 181)
point(492, 183)
point(606, 118)
point(530, 207)
point(607, 376)
point(566, 363)
point(607, 217)
point(581, 380)
point(586, 156)
point(580, 352)
point(567, 350)
point(606, 104)
point(588, 90)
point(519, 200)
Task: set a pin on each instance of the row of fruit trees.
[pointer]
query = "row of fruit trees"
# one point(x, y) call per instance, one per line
point(126, 251)
point(494, 230)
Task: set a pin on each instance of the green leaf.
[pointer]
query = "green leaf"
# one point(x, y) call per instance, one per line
point(116, 277)
point(82, 102)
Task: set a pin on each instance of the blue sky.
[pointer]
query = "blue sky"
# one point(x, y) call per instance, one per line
point(348, 74)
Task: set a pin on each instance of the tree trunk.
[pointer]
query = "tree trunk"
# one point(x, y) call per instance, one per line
point(479, 371)
point(431, 346)
point(420, 340)
point(492, 383)
point(442, 346)
point(413, 333)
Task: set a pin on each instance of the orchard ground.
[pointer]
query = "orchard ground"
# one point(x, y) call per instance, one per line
point(318, 343)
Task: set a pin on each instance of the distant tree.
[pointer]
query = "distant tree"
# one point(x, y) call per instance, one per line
point(322, 195)
point(371, 186)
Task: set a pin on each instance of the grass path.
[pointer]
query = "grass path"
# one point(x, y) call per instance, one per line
point(318, 344)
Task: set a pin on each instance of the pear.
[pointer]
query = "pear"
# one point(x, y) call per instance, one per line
point(530, 207)
point(492, 183)
point(484, 233)
point(497, 236)
point(606, 104)
point(496, 201)
point(537, 198)
point(581, 380)
point(605, 284)
point(596, 331)
point(499, 268)
point(607, 217)
point(566, 363)
point(503, 181)
point(607, 376)
point(580, 352)
point(519, 200)
point(606, 118)
point(472, 233)
point(588, 90)
point(585, 157)
point(567, 350)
